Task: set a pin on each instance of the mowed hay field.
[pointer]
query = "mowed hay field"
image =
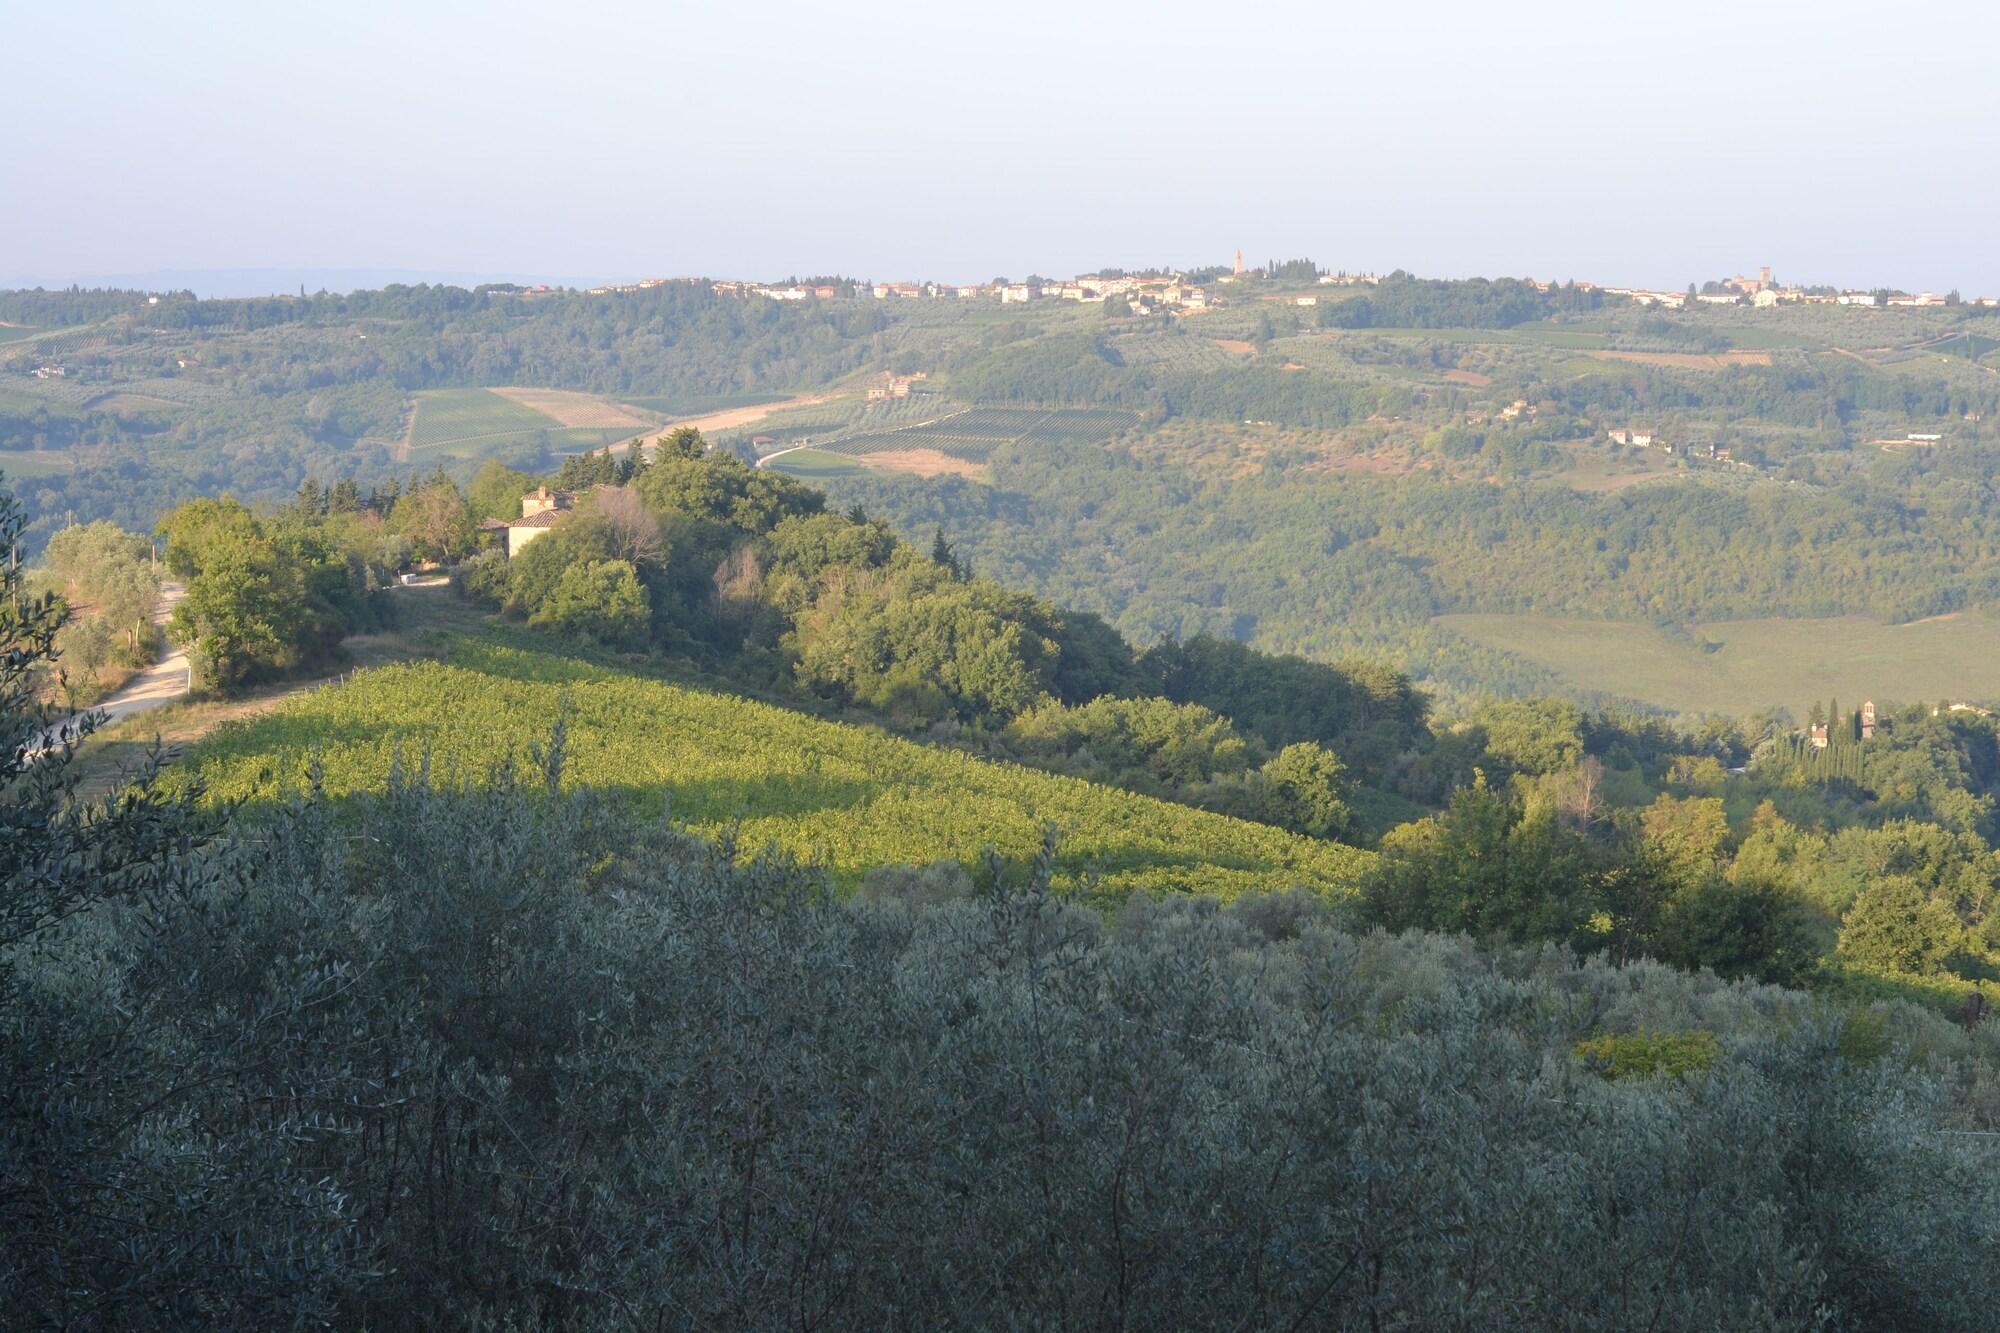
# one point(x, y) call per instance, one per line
point(1757, 663)
point(849, 796)
point(578, 410)
point(471, 423)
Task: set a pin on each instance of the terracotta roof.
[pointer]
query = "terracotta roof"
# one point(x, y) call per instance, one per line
point(492, 525)
point(548, 518)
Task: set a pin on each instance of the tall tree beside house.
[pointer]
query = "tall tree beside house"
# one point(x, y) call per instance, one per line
point(242, 616)
point(435, 518)
point(580, 472)
point(496, 492)
point(722, 490)
point(262, 597)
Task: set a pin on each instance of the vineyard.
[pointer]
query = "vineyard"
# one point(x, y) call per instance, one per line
point(850, 797)
point(837, 421)
point(972, 434)
point(466, 423)
point(61, 344)
point(445, 416)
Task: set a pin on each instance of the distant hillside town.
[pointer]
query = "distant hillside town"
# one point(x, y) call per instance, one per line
point(1152, 291)
point(1764, 292)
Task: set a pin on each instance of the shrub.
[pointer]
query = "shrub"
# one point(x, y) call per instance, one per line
point(1649, 1054)
point(600, 602)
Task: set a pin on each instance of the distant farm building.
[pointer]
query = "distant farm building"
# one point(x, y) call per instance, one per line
point(886, 386)
point(541, 509)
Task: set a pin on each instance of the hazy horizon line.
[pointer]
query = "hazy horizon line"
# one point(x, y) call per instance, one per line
point(285, 280)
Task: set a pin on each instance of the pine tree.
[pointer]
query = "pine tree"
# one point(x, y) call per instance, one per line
point(942, 553)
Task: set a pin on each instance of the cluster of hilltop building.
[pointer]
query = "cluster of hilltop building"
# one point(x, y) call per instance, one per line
point(1170, 291)
point(1145, 293)
point(1762, 292)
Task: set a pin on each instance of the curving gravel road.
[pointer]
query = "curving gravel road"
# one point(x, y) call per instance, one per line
point(163, 682)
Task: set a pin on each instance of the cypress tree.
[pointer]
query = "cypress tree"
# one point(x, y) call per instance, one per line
point(942, 553)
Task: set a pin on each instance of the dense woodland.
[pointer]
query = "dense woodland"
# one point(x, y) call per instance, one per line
point(1363, 566)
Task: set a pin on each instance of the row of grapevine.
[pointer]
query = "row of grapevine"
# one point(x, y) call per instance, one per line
point(1082, 426)
point(852, 797)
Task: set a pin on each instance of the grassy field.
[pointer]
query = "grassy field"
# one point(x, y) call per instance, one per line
point(1756, 663)
point(812, 463)
point(848, 795)
point(471, 423)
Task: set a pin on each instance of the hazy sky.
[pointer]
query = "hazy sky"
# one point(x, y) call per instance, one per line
point(602, 139)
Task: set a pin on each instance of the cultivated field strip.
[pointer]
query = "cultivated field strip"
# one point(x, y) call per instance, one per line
point(972, 434)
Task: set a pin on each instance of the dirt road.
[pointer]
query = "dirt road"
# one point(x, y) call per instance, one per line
point(163, 682)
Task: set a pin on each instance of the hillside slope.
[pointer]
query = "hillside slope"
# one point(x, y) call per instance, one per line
point(844, 794)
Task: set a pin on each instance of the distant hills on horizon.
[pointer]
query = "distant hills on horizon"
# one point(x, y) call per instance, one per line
point(235, 282)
